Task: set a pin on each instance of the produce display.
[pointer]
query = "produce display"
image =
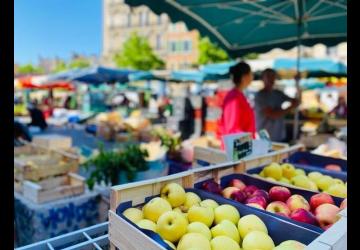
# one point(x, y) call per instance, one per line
point(315, 181)
point(186, 222)
point(320, 210)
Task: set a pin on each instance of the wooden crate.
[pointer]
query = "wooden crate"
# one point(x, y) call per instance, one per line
point(124, 236)
point(53, 141)
point(54, 188)
point(45, 163)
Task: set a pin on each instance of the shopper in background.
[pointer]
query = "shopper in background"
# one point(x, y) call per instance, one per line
point(268, 106)
point(237, 115)
point(340, 111)
point(187, 125)
point(37, 117)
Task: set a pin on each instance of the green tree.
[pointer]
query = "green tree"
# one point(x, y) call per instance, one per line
point(138, 54)
point(78, 63)
point(60, 66)
point(210, 52)
point(30, 69)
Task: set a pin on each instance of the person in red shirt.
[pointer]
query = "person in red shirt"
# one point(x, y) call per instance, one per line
point(237, 114)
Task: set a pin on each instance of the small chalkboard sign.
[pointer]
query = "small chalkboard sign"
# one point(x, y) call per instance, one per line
point(238, 146)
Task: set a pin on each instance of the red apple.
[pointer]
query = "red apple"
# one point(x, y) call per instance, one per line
point(212, 187)
point(278, 193)
point(297, 201)
point(249, 190)
point(343, 204)
point(238, 196)
point(263, 193)
point(326, 214)
point(257, 199)
point(303, 215)
point(255, 205)
point(278, 207)
point(237, 183)
point(321, 198)
point(228, 191)
point(333, 167)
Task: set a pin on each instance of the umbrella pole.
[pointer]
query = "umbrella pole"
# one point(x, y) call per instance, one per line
point(297, 84)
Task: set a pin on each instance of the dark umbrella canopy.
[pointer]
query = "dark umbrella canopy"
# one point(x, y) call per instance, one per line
point(241, 26)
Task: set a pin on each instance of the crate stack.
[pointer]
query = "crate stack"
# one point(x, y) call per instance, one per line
point(43, 174)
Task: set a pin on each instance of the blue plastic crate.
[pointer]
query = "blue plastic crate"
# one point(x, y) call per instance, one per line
point(279, 229)
point(307, 158)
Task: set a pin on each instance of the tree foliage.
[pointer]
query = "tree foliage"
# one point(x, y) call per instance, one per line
point(138, 54)
point(78, 63)
point(29, 69)
point(60, 66)
point(210, 52)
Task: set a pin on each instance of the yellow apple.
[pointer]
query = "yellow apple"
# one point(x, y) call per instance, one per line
point(191, 199)
point(226, 212)
point(313, 186)
point(193, 241)
point(170, 244)
point(147, 224)
point(314, 176)
point(251, 223)
point(262, 173)
point(325, 182)
point(339, 181)
point(284, 180)
point(300, 171)
point(156, 207)
point(271, 179)
point(224, 242)
point(257, 240)
point(209, 203)
point(201, 214)
point(174, 194)
point(288, 170)
point(302, 181)
point(274, 171)
point(226, 228)
point(290, 245)
point(171, 226)
point(201, 228)
point(337, 190)
point(133, 214)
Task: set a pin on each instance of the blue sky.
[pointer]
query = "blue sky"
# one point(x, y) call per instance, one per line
point(52, 28)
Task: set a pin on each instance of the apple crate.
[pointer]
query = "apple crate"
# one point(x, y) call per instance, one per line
point(204, 156)
point(54, 188)
point(314, 160)
point(262, 184)
point(124, 235)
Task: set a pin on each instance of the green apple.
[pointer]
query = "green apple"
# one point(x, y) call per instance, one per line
point(226, 212)
point(313, 186)
point(156, 207)
point(201, 228)
point(147, 224)
point(191, 199)
point(193, 241)
point(337, 190)
point(314, 176)
point(226, 228)
point(170, 244)
point(270, 179)
point(209, 203)
point(133, 214)
point(224, 242)
point(262, 173)
point(201, 214)
point(174, 194)
point(171, 226)
point(274, 171)
point(290, 245)
point(300, 171)
point(284, 180)
point(257, 240)
point(302, 181)
point(251, 223)
point(325, 182)
point(288, 170)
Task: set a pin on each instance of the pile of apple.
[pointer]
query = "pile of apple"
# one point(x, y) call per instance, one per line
point(315, 181)
point(185, 222)
point(321, 211)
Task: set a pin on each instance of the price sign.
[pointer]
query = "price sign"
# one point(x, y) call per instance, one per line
point(238, 146)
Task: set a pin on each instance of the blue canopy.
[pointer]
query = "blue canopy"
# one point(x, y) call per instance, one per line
point(218, 68)
point(312, 65)
point(143, 75)
point(99, 75)
point(194, 76)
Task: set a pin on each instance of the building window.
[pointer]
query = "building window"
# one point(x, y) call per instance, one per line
point(179, 46)
point(187, 45)
point(129, 20)
point(159, 19)
point(158, 41)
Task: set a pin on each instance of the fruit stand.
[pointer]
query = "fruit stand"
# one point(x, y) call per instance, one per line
point(124, 234)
